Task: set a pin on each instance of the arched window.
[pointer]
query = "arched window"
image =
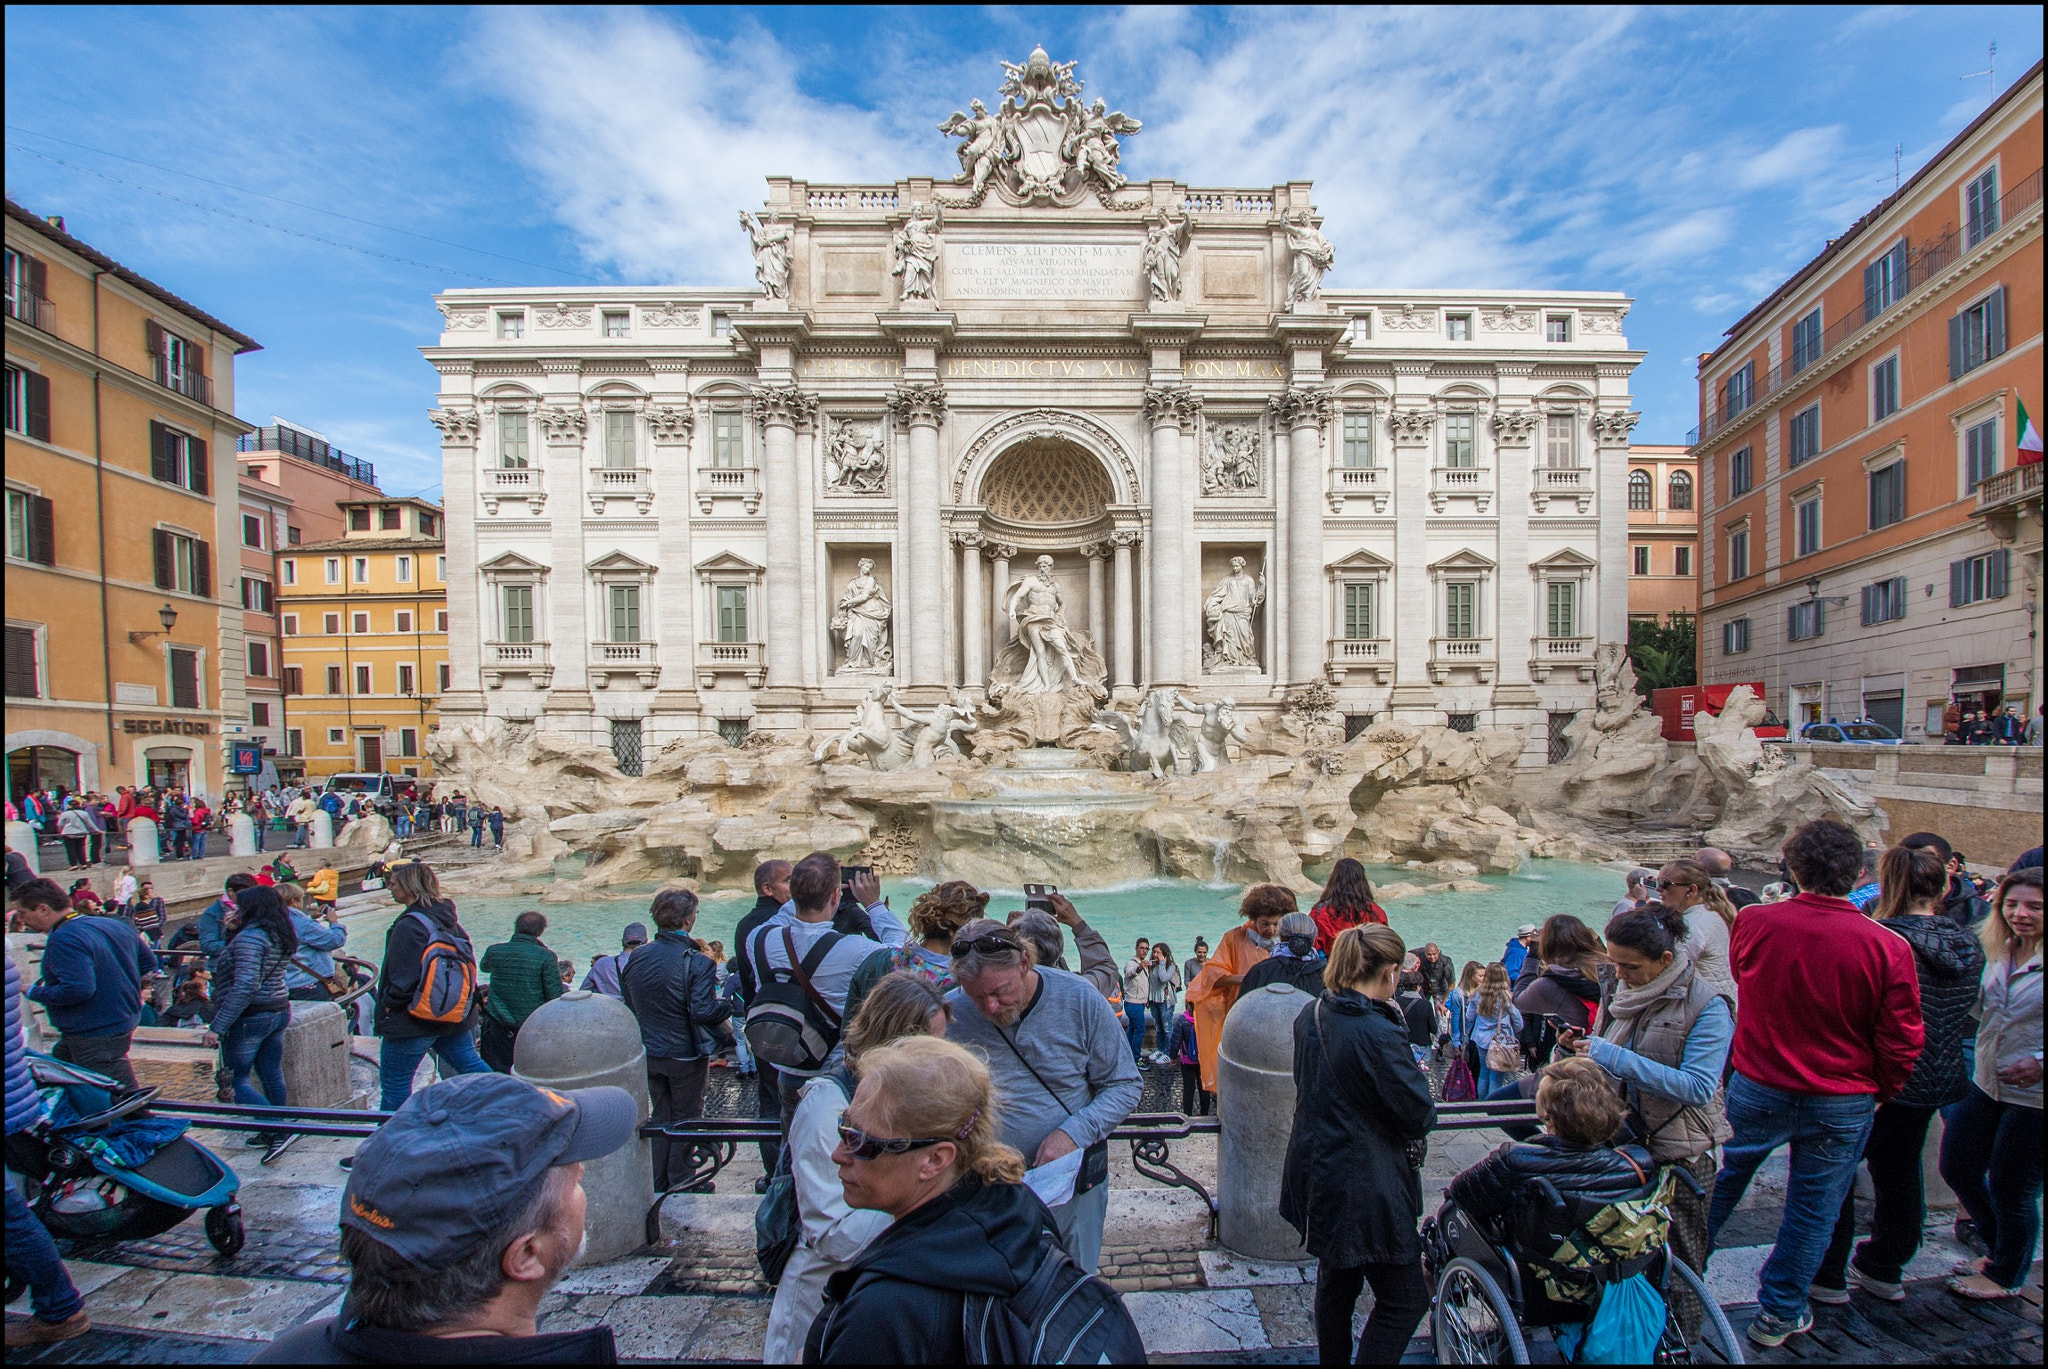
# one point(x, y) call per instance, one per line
point(1680, 493)
point(1640, 493)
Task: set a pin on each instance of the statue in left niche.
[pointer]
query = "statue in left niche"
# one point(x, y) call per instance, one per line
point(916, 246)
point(1228, 612)
point(772, 246)
point(856, 458)
point(861, 620)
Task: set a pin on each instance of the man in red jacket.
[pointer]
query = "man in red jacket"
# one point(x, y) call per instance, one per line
point(1829, 1028)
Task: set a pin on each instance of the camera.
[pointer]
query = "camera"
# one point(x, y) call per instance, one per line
point(847, 874)
point(1039, 896)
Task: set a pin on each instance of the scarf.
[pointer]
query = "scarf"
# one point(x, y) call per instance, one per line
point(1628, 1004)
point(1263, 943)
point(1296, 948)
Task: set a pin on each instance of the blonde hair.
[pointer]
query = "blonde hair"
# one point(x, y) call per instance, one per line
point(1360, 953)
point(292, 895)
point(941, 911)
point(413, 883)
point(1496, 990)
point(927, 1086)
point(1995, 933)
point(1579, 1103)
point(901, 1004)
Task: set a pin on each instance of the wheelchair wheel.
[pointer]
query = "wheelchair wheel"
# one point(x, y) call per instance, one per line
point(1695, 1331)
point(1472, 1321)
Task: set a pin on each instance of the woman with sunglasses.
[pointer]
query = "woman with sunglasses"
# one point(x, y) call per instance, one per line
point(901, 1004)
point(1687, 887)
point(918, 1142)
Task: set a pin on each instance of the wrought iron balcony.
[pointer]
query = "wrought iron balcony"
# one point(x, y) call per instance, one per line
point(513, 482)
point(186, 380)
point(621, 482)
point(26, 306)
point(728, 482)
point(1373, 654)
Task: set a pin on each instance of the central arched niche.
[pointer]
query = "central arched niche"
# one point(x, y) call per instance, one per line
point(1048, 491)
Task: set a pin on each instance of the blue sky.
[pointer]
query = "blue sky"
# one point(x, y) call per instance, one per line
point(314, 175)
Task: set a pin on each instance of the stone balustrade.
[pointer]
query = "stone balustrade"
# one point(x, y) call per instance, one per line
point(733, 658)
point(1371, 654)
point(639, 659)
point(623, 482)
point(500, 483)
point(1464, 482)
point(734, 482)
point(1448, 653)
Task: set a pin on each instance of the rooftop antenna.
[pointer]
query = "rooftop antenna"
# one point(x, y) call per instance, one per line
point(1990, 69)
point(1898, 156)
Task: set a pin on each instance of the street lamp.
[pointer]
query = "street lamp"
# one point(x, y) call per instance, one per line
point(166, 615)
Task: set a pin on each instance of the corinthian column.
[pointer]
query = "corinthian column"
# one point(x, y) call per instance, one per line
point(920, 408)
point(1124, 671)
point(779, 412)
point(1307, 413)
point(1166, 610)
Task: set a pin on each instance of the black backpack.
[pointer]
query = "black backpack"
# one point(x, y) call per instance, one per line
point(1060, 1316)
point(789, 1023)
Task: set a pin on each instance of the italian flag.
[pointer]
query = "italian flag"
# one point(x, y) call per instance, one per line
point(2030, 440)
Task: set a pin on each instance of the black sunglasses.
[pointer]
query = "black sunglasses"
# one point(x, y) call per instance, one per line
point(1672, 884)
point(865, 1147)
point(989, 943)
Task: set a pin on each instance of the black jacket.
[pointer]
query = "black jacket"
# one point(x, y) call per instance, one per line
point(1359, 1100)
point(328, 1341)
point(1420, 1017)
point(1496, 1185)
point(399, 979)
point(672, 987)
point(900, 1301)
point(1963, 905)
point(1437, 976)
point(1950, 962)
point(743, 936)
point(1306, 975)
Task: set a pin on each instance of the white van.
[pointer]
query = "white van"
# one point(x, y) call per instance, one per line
point(374, 788)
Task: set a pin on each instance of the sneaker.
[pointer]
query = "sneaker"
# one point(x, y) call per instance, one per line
point(1827, 1297)
point(347, 1162)
point(1876, 1288)
point(1771, 1332)
point(23, 1331)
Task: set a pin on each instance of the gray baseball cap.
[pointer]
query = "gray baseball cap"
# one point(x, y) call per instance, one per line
point(634, 935)
point(466, 1154)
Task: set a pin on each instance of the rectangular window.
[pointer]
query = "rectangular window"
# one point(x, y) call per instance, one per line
point(732, 731)
point(1884, 601)
point(728, 439)
point(1563, 608)
point(1460, 448)
point(1980, 453)
point(28, 285)
point(440, 620)
point(1977, 578)
point(1557, 328)
point(178, 363)
point(1806, 620)
point(28, 403)
point(291, 535)
point(624, 601)
point(732, 613)
point(185, 691)
point(359, 623)
point(405, 677)
point(1735, 637)
point(295, 741)
point(1681, 560)
point(178, 458)
point(1738, 554)
point(1640, 560)
point(626, 745)
point(1560, 449)
point(257, 595)
point(1461, 722)
point(1458, 327)
point(408, 741)
point(1887, 495)
point(1741, 472)
point(1358, 607)
point(293, 679)
point(182, 563)
point(259, 659)
point(333, 570)
point(291, 624)
point(1977, 334)
point(1806, 524)
point(24, 675)
point(252, 531)
point(361, 569)
point(426, 523)
point(390, 518)
point(513, 435)
point(334, 736)
point(518, 613)
point(618, 439)
point(401, 621)
point(617, 323)
point(1884, 388)
point(1884, 282)
point(441, 676)
point(512, 325)
point(1981, 207)
point(1804, 433)
point(404, 570)
point(31, 528)
point(1739, 391)
point(1461, 608)
point(441, 568)
point(291, 570)
point(334, 679)
point(1357, 441)
point(1806, 342)
point(330, 624)
point(363, 679)
point(359, 520)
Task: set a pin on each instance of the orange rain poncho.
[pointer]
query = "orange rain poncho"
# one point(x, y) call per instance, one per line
point(1211, 1000)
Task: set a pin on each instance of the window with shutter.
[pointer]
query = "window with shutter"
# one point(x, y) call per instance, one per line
point(1981, 207)
point(166, 572)
point(1563, 609)
point(42, 523)
point(1997, 566)
point(625, 613)
point(518, 613)
point(185, 678)
point(1461, 609)
point(618, 439)
point(362, 679)
point(24, 680)
point(202, 570)
point(732, 613)
point(334, 679)
point(294, 679)
point(36, 395)
point(1806, 341)
point(1358, 611)
point(1887, 495)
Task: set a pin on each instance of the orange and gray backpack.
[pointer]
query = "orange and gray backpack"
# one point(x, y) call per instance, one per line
point(447, 986)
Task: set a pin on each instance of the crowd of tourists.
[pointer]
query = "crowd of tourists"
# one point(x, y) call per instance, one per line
point(1991, 726)
point(945, 1082)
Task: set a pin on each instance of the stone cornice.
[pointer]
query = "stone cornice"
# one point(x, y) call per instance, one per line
point(1158, 328)
point(915, 329)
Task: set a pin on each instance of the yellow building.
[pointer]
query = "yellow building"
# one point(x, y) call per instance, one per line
point(364, 621)
point(125, 652)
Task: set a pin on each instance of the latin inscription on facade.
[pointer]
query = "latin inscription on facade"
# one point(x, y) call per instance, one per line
point(1042, 270)
point(1043, 368)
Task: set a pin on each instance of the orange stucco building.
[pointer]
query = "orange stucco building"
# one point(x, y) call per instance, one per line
point(1663, 533)
point(125, 657)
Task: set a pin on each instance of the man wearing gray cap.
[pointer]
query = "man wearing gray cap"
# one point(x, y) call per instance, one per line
point(460, 1214)
point(604, 971)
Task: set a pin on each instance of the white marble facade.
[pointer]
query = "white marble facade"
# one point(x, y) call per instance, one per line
point(657, 496)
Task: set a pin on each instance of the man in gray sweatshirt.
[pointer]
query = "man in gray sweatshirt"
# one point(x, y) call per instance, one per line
point(1060, 1064)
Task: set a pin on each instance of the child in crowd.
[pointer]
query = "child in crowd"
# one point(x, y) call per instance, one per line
point(1180, 1044)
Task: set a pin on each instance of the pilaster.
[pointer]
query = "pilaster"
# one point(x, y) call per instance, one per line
point(459, 428)
point(922, 408)
point(672, 431)
point(781, 410)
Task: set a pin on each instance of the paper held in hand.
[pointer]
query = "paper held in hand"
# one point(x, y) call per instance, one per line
point(1053, 1181)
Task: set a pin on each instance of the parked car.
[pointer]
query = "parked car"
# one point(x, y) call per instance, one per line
point(1856, 734)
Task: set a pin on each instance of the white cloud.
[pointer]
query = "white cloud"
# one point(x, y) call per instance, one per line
point(1797, 157)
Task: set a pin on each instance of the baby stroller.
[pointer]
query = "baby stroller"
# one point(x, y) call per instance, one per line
point(1550, 1266)
point(98, 1167)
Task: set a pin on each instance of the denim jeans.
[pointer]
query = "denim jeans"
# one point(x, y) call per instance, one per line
point(399, 1061)
point(1134, 1028)
point(32, 1258)
point(1991, 1157)
point(199, 844)
point(476, 836)
point(255, 1044)
point(260, 823)
point(1897, 1136)
point(1159, 1022)
point(1826, 1133)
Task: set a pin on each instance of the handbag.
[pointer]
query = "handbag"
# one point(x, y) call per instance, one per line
point(336, 984)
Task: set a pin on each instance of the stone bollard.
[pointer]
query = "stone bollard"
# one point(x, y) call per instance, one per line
point(316, 1057)
point(241, 835)
point(579, 1040)
point(320, 831)
point(142, 841)
point(22, 838)
point(1255, 1102)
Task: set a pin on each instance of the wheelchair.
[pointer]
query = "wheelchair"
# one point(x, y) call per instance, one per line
point(1491, 1290)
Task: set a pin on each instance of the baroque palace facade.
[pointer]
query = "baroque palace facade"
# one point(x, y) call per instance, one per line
point(681, 510)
